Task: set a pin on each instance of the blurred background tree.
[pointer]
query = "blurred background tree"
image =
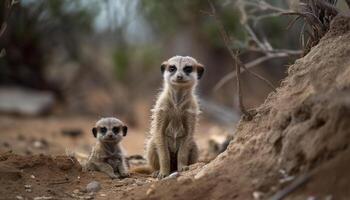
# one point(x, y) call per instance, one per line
point(103, 57)
point(34, 30)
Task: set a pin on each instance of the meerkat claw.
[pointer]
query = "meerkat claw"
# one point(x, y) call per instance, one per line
point(161, 176)
point(155, 174)
point(183, 168)
point(124, 175)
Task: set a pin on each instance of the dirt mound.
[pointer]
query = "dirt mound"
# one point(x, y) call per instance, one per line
point(36, 176)
point(300, 136)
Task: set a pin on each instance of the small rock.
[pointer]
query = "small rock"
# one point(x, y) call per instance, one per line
point(258, 195)
point(139, 183)
point(76, 191)
point(128, 181)
point(286, 179)
point(40, 144)
point(42, 198)
point(32, 176)
point(103, 195)
point(27, 186)
point(93, 186)
point(151, 190)
point(25, 102)
point(172, 175)
point(311, 198)
point(19, 197)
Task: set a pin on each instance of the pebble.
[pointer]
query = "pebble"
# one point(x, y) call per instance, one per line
point(76, 191)
point(128, 181)
point(171, 176)
point(38, 144)
point(139, 183)
point(151, 190)
point(42, 198)
point(93, 186)
point(258, 195)
point(27, 186)
point(19, 197)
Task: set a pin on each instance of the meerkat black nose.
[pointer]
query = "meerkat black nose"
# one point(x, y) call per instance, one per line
point(179, 77)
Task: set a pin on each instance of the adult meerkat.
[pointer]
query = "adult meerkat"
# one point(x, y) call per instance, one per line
point(171, 146)
point(107, 155)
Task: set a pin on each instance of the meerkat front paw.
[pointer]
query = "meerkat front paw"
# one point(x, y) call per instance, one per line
point(124, 175)
point(155, 174)
point(162, 175)
point(183, 168)
point(114, 176)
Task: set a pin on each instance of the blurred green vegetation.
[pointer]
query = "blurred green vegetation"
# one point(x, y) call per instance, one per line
point(41, 30)
point(121, 62)
point(34, 30)
point(168, 18)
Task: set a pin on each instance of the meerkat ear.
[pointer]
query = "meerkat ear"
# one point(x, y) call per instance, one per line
point(163, 66)
point(94, 131)
point(200, 70)
point(125, 130)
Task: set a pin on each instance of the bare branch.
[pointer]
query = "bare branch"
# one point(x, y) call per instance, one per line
point(255, 63)
point(8, 4)
point(236, 61)
point(301, 180)
point(3, 28)
point(348, 2)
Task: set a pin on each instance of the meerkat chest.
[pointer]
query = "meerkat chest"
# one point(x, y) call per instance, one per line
point(176, 124)
point(176, 129)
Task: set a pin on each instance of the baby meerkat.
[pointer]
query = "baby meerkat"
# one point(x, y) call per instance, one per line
point(171, 146)
point(107, 155)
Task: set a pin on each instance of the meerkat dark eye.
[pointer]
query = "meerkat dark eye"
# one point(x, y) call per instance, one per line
point(188, 69)
point(103, 130)
point(172, 68)
point(115, 130)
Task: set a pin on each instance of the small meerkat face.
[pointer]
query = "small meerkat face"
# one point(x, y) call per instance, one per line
point(109, 130)
point(182, 71)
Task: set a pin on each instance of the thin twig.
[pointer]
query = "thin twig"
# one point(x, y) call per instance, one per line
point(252, 64)
point(265, 46)
point(236, 61)
point(8, 4)
point(301, 180)
point(348, 2)
point(60, 182)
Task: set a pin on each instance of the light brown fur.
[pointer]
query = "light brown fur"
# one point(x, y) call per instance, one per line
point(171, 146)
point(107, 155)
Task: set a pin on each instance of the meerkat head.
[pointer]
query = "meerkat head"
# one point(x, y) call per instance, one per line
point(183, 71)
point(109, 130)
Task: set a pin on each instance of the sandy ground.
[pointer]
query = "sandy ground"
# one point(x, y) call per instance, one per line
point(35, 159)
